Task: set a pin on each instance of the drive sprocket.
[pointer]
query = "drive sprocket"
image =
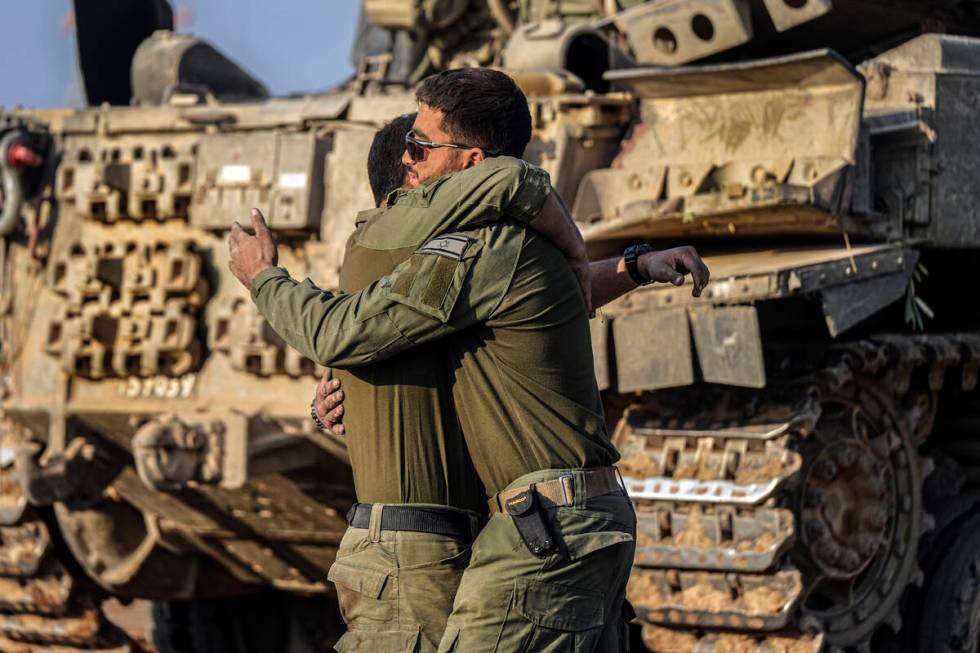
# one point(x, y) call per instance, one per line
point(861, 516)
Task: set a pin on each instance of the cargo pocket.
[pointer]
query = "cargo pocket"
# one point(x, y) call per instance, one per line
point(585, 544)
point(431, 279)
point(437, 554)
point(552, 616)
point(366, 590)
point(557, 606)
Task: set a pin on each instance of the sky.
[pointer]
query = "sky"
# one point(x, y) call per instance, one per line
point(289, 45)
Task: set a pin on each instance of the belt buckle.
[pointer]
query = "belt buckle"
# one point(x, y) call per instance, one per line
point(567, 488)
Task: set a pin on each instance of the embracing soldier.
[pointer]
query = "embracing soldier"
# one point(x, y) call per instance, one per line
point(495, 316)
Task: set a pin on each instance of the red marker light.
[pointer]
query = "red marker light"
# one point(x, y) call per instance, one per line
point(20, 155)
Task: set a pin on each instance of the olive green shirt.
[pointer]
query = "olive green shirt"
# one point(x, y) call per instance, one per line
point(524, 380)
point(521, 356)
point(403, 435)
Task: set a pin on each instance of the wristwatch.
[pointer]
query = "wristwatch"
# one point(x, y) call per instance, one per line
point(630, 255)
point(316, 418)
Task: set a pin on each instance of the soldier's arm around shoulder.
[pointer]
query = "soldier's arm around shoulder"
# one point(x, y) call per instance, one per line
point(508, 188)
point(497, 188)
point(450, 283)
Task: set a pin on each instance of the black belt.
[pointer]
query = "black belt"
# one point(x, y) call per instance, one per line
point(421, 520)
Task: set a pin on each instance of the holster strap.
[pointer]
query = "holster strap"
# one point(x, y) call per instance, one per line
point(451, 523)
point(561, 491)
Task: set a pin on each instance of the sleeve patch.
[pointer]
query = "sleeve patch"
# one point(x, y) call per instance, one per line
point(403, 284)
point(450, 246)
point(440, 278)
point(432, 279)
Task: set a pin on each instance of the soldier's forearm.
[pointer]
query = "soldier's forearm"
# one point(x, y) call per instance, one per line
point(342, 331)
point(481, 195)
point(556, 224)
point(290, 309)
point(609, 281)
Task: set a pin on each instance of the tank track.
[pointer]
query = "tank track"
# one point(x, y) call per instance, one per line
point(43, 608)
point(722, 483)
point(737, 493)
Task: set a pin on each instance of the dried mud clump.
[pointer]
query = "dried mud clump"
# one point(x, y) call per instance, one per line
point(644, 539)
point(704, 596)
point(694, 535)
point(763, 473)
point(643, 590)
point(763, 599)
point(804, 644)
point(761, 543)
point(736, 644)
point(638, 465)
point(668, 640)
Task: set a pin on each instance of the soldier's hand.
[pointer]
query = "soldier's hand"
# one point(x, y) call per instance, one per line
point(249, 255)
point(672, 265)
point(328, 402)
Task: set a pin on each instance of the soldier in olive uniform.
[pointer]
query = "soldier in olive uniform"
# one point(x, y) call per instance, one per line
point(551, 568)
point(407, 453)
point(409, 461)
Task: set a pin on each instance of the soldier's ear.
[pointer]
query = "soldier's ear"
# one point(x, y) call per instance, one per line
point(473, 156)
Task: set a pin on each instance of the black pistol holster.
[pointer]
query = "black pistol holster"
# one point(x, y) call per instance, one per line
point(531, 521)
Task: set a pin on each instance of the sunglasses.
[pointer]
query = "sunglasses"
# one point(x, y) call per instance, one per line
point(418, 149)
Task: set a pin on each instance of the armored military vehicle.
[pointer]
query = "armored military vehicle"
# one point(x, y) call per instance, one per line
point(799, 441)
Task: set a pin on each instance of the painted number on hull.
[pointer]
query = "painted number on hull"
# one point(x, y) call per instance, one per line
point(158, 387)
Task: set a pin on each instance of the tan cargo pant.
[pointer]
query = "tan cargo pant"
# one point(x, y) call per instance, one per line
point(396, 588)
point(511, 601)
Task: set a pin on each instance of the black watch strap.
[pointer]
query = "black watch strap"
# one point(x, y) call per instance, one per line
point(630, 256)
point(316, 418)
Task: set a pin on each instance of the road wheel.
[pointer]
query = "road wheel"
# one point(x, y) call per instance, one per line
point(951, 617)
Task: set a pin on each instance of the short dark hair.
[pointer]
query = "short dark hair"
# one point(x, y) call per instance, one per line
point(386, 172)
point(481, 107)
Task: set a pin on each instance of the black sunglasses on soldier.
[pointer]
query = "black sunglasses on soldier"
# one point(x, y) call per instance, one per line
point(418, 149)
